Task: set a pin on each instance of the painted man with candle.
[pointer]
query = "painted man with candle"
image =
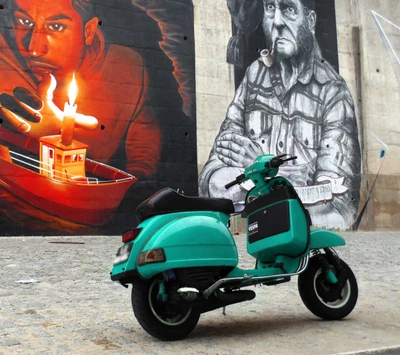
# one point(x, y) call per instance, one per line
point(54, 41)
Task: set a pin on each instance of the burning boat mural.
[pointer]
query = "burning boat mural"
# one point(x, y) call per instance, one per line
point(88, 126)
point(63, 181)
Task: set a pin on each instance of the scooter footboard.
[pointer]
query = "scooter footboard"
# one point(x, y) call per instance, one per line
point(192, 241)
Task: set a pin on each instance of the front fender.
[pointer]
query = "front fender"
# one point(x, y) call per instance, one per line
point(192, 241)
point(324, 239)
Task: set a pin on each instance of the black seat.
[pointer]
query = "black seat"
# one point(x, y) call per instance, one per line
point(168, 200)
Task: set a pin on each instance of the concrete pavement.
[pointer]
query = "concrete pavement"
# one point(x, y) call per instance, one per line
point(56, 298)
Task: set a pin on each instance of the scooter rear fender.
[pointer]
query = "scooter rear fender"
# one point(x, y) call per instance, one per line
point(125, 271)
point(188, 239)
point(325, 239)
point(191, 240)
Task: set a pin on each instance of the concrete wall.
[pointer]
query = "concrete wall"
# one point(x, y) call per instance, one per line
point(214, 77)
point(374, 78)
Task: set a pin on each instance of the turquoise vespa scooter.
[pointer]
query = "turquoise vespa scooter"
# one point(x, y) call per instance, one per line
point(182, 259)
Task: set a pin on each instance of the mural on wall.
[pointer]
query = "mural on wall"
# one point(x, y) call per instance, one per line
point(289, 101)
point(97, 111)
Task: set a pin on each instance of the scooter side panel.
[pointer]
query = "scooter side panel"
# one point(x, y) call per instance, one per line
point(325, 239)
point(192, 241)
point(291, 240)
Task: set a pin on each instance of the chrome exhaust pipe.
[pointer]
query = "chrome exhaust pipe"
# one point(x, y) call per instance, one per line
point(188, 293)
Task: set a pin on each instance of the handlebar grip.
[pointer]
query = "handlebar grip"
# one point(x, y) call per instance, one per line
point(229, 185)
point(275, 162)
point(236, 181)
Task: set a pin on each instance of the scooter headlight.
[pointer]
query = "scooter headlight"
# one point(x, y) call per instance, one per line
point(151, 256)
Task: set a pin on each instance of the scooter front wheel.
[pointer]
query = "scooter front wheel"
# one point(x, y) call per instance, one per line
point(324, 299)
point(157, 315)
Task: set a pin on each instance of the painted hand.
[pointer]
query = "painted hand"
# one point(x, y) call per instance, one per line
point(297, 174)
point(237, 151)
point(38, 116)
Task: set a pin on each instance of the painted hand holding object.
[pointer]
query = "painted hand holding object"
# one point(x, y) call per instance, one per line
point(37, 116)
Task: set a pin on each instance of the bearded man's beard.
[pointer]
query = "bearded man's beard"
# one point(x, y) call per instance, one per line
point(305, 40)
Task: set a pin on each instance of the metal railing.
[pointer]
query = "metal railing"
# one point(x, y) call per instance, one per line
point(59, 175)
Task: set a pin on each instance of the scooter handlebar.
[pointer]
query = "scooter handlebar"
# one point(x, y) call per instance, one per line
point(277, 161)
point(234, 182)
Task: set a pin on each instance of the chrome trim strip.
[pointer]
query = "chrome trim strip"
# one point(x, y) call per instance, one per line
point(302, 266)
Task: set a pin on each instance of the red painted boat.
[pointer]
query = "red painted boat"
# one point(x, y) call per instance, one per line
point(90, 198)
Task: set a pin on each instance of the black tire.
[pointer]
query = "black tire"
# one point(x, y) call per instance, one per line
point(321, 297)
point(156, 317)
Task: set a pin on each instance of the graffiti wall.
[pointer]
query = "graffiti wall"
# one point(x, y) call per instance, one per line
point(97, 111)
point(290, 99)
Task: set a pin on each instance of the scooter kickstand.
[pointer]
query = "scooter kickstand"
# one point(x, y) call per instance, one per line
point(223, 310)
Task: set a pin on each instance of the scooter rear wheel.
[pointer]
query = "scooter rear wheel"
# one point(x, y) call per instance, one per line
point(324, 299)
point(156, 316)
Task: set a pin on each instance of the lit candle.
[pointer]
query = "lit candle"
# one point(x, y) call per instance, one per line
point(67, 129)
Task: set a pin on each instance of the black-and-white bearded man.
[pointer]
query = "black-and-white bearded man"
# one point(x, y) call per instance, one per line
point(292, 102)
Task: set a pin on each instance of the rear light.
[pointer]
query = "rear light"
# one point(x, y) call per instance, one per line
point(151, 256)
point(130, 235)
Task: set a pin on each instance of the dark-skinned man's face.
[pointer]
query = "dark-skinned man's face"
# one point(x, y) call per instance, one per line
point(287, 23)
point(49, 35)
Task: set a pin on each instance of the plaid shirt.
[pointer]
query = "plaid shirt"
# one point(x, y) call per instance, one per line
point(313, 119)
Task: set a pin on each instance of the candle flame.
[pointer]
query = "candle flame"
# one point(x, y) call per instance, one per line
point(72, 91)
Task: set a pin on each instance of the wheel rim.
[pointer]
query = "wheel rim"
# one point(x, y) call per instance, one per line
point(340, 302)
point(162, 312)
